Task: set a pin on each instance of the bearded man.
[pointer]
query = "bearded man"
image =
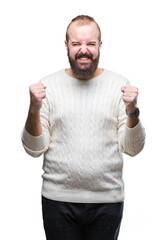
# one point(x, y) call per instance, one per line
point(82, 119)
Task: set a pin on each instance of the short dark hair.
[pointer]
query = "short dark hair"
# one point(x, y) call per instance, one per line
point(83, 19)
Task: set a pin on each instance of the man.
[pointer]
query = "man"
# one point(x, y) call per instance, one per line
point(82, 119)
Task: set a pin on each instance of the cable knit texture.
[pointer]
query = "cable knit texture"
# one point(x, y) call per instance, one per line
point(84, 135)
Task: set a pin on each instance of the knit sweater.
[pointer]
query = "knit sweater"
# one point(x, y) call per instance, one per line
point(84, 134)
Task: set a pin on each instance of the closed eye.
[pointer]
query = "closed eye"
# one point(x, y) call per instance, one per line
point(92, 44)
point(75, 44)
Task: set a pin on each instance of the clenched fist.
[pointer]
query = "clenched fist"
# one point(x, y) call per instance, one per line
point(130, 94)
point(37, 93)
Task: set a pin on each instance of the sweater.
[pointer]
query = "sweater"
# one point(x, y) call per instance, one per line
point(84, 134)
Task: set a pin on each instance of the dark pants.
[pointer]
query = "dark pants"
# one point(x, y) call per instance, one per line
point(81, 221)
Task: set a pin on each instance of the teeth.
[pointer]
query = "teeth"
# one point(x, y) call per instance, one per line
point(84, 58)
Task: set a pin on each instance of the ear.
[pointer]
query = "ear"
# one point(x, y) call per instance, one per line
point(100, 44)
point(66, 44)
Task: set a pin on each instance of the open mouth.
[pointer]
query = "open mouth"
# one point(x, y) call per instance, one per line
point(83, 57)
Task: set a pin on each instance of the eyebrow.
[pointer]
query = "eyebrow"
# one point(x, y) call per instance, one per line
point(76, 42)
point(73, 42)
point(92, 42)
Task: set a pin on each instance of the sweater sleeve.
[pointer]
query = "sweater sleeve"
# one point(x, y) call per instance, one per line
point(131, 140)
point(35, 146)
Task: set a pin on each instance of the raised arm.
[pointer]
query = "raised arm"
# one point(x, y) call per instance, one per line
point(36, 135)
point(33, 123)
point(130, 130)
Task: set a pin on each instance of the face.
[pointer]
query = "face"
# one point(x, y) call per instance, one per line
point(83, 49)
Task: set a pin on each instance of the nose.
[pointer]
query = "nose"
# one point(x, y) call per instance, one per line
point(83, 49)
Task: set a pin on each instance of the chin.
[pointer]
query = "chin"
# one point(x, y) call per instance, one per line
point(84, 66)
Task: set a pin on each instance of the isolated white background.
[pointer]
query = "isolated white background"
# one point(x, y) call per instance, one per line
point(32, 46)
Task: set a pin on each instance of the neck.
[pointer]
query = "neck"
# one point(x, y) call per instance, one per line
point(97, 72)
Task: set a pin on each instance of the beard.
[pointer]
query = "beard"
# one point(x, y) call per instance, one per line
point(88, 72)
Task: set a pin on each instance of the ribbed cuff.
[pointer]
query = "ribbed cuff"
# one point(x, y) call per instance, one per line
point(137, 130)
point(32, 142)
point(134, 139)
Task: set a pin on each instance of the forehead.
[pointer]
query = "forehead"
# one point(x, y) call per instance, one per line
point(83, 32)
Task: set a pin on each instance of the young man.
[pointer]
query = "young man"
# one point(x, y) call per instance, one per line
point(82, 119)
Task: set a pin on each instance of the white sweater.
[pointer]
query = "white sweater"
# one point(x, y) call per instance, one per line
point(84, 135)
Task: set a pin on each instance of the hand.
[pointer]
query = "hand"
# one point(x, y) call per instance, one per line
point(37, 93)
point(130, 94)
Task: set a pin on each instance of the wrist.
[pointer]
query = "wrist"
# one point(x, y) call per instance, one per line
point(133, 114)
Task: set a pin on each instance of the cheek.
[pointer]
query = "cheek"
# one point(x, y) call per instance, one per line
point(95, 54)
point(73, 52)
point(94, 51)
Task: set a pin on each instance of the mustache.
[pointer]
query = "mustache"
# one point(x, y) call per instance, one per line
point(88, 55)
